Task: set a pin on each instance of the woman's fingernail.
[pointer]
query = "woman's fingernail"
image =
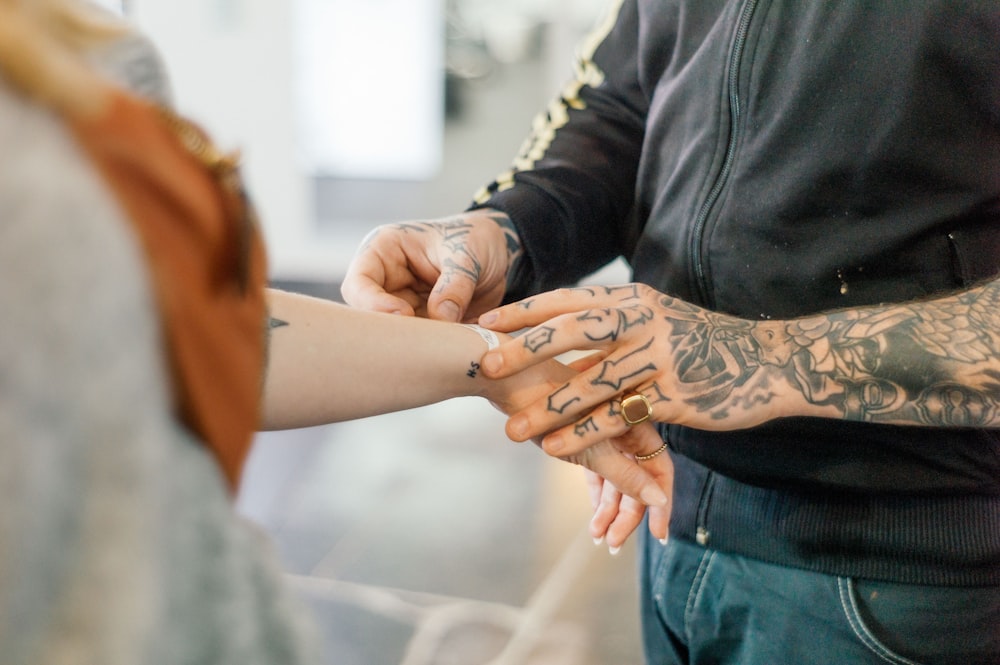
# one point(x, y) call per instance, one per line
point(488, 318)
point(614, 550)
point(663, 541)
point(598, 540)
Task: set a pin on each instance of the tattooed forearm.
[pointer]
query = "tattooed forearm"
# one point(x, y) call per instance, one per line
point(935, 362)
point(272, 324)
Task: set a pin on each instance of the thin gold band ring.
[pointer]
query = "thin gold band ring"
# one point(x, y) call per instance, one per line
point(643, 458)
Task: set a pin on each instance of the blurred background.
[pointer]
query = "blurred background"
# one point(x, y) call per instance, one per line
point(350, 113)
point(423, 537)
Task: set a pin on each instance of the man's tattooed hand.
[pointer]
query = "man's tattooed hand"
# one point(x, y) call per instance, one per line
point(935, 362)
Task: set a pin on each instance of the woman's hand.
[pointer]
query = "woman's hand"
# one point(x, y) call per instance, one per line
point(627, 486)
point(518, 391)
point(617, 515)
point(693, 366)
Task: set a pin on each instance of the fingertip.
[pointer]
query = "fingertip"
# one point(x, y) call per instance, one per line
point(659, 524)
point(389, 304)
point(517, 428)
point(554, 444)
point(492, 363)
point(396, 306)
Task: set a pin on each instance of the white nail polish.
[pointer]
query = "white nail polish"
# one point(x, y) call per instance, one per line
point(614, 550)
point(599, 540)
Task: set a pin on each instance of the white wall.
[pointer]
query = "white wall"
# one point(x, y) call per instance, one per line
point(371, 87)
point(303, 86)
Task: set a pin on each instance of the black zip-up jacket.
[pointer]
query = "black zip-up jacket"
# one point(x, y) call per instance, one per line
point(774, 159)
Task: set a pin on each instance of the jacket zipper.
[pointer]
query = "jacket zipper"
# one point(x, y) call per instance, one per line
point(735, 58)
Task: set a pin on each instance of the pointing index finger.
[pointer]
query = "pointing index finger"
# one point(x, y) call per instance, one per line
point(533, 346)
point(537, 309)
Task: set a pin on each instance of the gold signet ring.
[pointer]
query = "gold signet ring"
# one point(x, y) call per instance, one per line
point(636, 408)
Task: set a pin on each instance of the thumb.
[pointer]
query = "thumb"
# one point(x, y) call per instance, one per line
point(363, 293)
point(452, 293)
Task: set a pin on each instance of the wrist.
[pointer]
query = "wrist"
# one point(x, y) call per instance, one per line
point(483, 386)
point(488, 336)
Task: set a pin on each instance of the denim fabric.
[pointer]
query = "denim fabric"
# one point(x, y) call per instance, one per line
point(701, 606)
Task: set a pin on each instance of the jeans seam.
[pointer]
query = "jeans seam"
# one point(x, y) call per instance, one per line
point(697, 586)
point(849, 603)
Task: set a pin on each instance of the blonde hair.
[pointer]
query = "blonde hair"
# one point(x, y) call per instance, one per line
point(42, 44)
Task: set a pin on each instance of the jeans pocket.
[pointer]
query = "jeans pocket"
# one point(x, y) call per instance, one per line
point(860, 620)
point(923, 625)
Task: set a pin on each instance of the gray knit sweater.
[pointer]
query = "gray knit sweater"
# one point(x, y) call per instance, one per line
point(118, 542)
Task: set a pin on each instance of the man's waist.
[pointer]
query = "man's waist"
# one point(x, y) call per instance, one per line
point(918, 538)
point(823, 455)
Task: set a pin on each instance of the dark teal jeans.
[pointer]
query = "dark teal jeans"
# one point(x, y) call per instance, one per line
point(701, 607)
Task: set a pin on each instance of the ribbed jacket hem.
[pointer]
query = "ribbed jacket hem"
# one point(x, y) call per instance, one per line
point(949, 540)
